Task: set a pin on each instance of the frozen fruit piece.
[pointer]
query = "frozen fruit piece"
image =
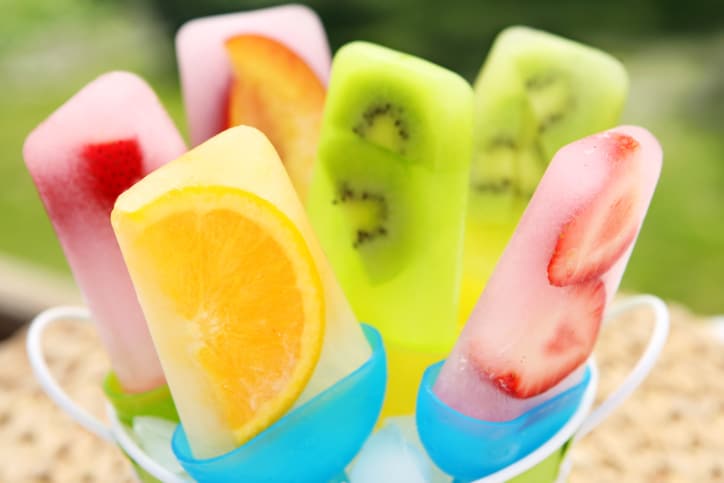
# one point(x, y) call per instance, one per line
point(596, 236)
point(113, 167)
point(276, 92)
point(234, 275)
point(95, 146)
point(527, 339)
point(237, 292)
point(567, 335)
point(207, 73)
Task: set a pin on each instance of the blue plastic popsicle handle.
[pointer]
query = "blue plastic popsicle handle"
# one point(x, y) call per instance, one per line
point(312, 443)
point(469, 448)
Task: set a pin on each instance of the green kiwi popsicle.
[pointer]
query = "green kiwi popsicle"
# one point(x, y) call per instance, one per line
point(388, 194)
point(535, 93)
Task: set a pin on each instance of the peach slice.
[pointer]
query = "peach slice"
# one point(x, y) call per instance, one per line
point(275, 91)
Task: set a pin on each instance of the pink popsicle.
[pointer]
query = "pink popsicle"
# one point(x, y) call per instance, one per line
point(95, 146)
point(205, 69)
point(537, 320)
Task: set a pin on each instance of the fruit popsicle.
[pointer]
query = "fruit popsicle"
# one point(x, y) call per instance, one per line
point(538, 318)
point(387, 198)
point(535, 93)
point(239, 298)
point(266, 69)
point(105, 138)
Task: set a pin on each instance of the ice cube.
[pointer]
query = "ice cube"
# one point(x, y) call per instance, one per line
point(387, 457)
point(154, 436)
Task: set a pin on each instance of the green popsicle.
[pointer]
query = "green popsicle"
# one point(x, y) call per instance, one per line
point(388, 194)
point(535, 93)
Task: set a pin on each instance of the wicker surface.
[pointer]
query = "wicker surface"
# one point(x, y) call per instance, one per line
point(671, 430)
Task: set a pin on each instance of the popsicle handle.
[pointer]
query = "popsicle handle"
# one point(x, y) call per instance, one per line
point(645, 363)
point(40, 367)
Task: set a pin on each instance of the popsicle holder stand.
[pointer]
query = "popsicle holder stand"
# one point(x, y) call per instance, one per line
point(531, 448)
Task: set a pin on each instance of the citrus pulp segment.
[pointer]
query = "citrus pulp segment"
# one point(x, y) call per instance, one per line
point(231, 288)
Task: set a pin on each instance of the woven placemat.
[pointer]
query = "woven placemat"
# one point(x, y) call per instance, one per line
point(671, 430)
point(40, 443)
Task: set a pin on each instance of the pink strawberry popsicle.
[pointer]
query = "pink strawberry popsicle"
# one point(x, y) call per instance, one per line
point(95, 146)
point(206, 68)
point(537, 320)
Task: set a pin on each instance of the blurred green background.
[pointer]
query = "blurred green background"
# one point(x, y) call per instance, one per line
point(673, 51)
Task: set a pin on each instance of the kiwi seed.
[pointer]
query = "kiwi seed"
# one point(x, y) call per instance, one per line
point(347, 194)
point(499, 185)
point(380, 109)
point(545, 86)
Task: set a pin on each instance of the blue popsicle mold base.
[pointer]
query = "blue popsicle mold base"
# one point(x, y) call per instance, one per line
point(468, 448)
point(312, 443)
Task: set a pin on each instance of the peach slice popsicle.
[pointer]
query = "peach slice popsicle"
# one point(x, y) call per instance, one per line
point(95, 146)
point(538, 318)
point(223, 325)
point(267, 69)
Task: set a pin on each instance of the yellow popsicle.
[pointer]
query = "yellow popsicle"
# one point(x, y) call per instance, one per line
point(239, 261)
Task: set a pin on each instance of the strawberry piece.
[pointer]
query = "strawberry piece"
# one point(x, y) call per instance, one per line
point(599, 233)
point(112, 168)
point(557, 341)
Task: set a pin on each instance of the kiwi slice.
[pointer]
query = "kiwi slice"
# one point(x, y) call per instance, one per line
point(368, 211)
point(573, 89)
point(365, 201)
point(535, 93)
point(388, 120)
point(505, 139)
point(550, 96)
point(384, 124)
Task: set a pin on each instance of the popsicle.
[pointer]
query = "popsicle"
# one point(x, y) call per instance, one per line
point(105, 138)
point(388, 195)
point(535, 93)
point(242, 305)
point(265, 68)
point(537, 320)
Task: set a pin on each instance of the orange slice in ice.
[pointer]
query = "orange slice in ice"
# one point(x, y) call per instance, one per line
point(237, 278)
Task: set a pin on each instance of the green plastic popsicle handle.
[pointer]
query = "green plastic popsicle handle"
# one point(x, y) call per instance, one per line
point(545, 471)
point(156, 402)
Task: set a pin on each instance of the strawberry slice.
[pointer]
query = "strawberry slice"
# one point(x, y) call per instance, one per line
point(600, 232)
point(112, 168)
point(557, 341)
